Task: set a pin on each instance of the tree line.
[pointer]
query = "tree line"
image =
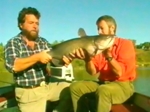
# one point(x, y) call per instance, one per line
point(145, 46)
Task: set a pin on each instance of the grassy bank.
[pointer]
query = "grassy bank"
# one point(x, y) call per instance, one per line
point(6, 78)
point(143, 57)
point(79, 70)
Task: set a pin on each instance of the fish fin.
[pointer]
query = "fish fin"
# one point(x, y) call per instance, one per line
point(81, 32)
point(56, 63)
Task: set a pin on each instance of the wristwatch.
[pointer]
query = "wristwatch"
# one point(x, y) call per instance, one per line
point(109, 58)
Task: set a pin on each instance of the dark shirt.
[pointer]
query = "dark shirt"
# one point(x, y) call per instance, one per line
point(16, 47)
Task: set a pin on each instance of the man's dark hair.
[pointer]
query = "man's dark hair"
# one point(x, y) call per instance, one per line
point(24, 12)
point(109, 20)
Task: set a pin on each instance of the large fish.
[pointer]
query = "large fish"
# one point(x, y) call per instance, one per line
point(92, 45)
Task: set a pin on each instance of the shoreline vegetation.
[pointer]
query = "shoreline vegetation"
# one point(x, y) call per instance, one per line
point(142, 58)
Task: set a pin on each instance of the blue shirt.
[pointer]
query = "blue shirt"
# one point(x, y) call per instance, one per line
point(16, 47)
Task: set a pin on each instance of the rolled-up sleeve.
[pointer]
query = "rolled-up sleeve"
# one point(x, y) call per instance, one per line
point(11, 53)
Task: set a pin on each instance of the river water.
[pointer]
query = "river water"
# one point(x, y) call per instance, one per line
point(142, 82)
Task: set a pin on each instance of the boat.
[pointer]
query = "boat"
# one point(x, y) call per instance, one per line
point(137, 103)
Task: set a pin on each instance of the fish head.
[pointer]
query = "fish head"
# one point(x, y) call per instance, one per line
point(103, 42)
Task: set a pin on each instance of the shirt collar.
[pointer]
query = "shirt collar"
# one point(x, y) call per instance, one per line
point(116, 41)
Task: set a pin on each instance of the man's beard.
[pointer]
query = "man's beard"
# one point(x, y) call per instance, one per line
point(31, 35)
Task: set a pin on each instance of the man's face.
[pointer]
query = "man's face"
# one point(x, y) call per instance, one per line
point(103, 28)
point(30, 27)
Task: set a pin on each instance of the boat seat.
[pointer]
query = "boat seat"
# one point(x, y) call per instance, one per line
point(11, 109)
point(126, 108)
point(132, 105)
point(7, 100)
point(7, 96)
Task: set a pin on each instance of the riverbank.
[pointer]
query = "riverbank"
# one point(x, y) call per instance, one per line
point(142, 58)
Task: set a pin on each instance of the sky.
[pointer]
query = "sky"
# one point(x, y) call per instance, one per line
point(61, 19)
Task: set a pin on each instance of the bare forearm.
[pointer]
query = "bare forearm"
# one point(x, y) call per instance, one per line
point(21, 64)
point(90, 68)
point(115, 67)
